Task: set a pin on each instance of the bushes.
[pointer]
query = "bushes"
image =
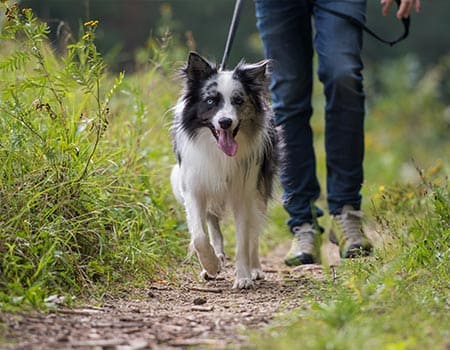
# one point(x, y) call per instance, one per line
point(78, 205)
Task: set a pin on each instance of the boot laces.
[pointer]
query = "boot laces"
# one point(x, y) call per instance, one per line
point(350, 222)
point(304, 238)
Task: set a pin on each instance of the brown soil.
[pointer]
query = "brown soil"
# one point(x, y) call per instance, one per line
point(169, 316)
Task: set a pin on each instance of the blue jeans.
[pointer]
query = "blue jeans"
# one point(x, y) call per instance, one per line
point(287, 34)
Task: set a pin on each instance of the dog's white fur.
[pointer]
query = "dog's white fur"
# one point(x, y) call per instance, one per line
point(207, 182)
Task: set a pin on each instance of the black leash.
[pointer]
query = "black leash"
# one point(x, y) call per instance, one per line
point(237, 15)
point(231, 32)
point(406, 22)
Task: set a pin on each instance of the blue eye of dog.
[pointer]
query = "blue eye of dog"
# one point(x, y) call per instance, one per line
point(210, 101)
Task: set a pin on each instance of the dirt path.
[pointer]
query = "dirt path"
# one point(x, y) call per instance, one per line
point(171, 317)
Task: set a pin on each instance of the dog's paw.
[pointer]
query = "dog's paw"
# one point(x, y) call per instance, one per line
point(257, 274)
point(208, 259)
point(205, 276)
point(243, 283)
point(211, 265)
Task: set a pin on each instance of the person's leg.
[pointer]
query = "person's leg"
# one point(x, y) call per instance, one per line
point(286, 33)
point(338, 44)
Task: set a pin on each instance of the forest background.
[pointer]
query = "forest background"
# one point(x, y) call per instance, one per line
point(127, 26)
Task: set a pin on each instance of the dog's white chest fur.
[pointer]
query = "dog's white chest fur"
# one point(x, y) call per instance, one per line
point(206, 170)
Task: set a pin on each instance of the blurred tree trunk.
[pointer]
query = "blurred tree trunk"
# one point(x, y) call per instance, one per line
point(87, 6)
point(133, 16)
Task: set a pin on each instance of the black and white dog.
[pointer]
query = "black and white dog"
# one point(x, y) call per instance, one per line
point(226, 147)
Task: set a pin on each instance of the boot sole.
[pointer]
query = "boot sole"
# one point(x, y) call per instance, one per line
point(304, 259)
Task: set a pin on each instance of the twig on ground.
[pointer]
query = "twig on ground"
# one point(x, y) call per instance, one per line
point(207, 290)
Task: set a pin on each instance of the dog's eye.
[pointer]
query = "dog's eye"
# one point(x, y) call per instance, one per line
point(210, 101)
point(237, 100)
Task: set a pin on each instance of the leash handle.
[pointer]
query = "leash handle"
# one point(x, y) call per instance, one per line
point(406, 23)
point(231, 32)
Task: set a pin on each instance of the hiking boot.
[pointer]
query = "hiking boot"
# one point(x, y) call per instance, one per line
point(305, 246)
point(348, 234)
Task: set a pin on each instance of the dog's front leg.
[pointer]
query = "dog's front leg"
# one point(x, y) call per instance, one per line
point(259, 219)
point(244, 222)
point(196, 218)
point(215, 236)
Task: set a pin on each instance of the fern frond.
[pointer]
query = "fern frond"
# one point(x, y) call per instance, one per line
point(15, 61)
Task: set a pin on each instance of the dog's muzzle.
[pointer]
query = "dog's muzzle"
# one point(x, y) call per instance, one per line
point(225, 135)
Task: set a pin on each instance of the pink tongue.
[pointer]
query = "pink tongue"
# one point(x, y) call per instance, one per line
point(227, 143)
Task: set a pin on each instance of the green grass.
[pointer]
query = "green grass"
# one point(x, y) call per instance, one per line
point(397, 299)
point(84, 199)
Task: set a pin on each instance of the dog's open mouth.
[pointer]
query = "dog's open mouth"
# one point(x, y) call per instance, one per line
point(226, 139)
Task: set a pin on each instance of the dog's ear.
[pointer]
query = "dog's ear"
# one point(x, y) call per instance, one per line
point(255, 79)
point(257, 73)
point(197, 68)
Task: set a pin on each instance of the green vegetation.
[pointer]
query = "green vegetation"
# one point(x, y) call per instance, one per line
point(84, 200)
point(397, 299)
point(85, 204)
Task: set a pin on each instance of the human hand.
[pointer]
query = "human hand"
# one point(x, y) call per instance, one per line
point(404, 10)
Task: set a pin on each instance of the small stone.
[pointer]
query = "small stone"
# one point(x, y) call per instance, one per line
point(199, 301)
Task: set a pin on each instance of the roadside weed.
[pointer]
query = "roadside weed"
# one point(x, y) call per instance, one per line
point(82, 204)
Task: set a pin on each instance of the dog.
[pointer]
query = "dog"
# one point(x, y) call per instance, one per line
point(225, 143)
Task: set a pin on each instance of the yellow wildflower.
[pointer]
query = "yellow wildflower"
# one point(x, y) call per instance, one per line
point(91, 23)
point(437, 182)
point(435, 169)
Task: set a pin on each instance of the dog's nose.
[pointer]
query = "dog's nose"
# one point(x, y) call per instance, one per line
point(225, 123)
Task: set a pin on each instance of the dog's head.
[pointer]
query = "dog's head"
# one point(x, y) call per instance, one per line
point(223, 101)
